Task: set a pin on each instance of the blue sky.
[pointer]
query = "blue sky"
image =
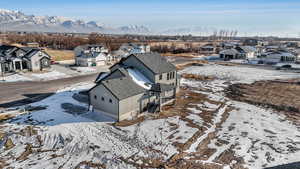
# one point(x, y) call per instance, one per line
point(255, 17)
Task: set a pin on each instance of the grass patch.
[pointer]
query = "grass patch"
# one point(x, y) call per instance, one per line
point(60, 55)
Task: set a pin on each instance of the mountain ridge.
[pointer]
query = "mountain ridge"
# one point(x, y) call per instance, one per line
point(18, 21)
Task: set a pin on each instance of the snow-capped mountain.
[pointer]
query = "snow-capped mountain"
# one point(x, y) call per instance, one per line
point(18, 21)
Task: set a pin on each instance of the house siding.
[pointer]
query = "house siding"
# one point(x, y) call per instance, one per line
point(130, 105)
point(35, 60)
point(165, 80)
point(111, 109)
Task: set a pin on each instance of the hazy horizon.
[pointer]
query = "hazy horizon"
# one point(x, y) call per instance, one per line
point(270, 17)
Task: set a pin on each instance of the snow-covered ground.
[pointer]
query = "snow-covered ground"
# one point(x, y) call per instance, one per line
point(85, 69)
point(49, 75)
point(263, 138)
point(66, 138)
point(15, 78)
point(240, 74)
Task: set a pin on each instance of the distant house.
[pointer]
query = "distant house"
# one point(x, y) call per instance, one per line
point(228, 45)
point(248, 52)
point(208, 49)
point(91, 55)
point(229, 54)
point(274, 57)
point(23, 58)
point(239, 52)
point(131, 48)
point(138, 83)
point(296, 52)
point(251, 42)
point(33, 44)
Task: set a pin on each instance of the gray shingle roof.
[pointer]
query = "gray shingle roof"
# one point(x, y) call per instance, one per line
point(248, 49)
point(120, 86)
point(123, 88)
point(155, 62)
point(229, 52)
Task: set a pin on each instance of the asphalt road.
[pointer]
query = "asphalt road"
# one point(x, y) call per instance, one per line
point(20, 93)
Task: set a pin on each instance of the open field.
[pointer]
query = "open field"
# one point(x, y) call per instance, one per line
point(60, 55)
point(203, 128)
point(184, 55)
point(280, 95)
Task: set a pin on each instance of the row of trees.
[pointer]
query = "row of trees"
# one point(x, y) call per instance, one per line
point(67, 42)
point(224, 34)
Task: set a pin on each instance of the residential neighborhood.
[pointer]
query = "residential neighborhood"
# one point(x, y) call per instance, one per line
point(149, 84)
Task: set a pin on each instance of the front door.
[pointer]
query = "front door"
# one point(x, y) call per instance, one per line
point(18, 65)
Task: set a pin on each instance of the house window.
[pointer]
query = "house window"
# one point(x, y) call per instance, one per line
point(95, 97)
point(160, 77)
point(102, 98)
point(110, 101)
point(168, 76)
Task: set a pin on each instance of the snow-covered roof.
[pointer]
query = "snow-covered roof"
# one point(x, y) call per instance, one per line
point(139, 78)
point(230, 52)
point(248, 49)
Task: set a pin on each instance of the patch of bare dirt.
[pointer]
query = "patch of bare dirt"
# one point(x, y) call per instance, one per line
point(283, 96)
point(191, 63)
point(227, 64)
point(197, 77)
point(26, 153)
point(89, 164)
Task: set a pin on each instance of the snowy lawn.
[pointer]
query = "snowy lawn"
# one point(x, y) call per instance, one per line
point(201, 133)
point(49, 75)
point(15, 78)
point(85, 69)
point(262, 138)
point(239, 74)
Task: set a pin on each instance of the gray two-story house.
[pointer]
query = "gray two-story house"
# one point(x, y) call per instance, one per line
point(138, 83)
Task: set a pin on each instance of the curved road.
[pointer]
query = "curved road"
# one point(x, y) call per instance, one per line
point(20, 93)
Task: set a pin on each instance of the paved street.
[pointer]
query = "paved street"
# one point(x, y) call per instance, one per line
point(18, 93)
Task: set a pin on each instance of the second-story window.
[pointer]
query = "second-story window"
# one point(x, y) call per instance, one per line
point(160, 77)
point(110, 101)
point(168, 76)
point(102, 98)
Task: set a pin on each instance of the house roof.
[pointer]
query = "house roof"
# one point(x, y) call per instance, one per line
point(155, 62)
point(86, 47)
point(123, 87)
point(28, 49)
point(248, 49)
point(90, 55)
point(229, 52)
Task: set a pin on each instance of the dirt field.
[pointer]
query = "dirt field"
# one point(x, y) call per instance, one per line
point(60, 55)
point(279, 95)
point(185, 55)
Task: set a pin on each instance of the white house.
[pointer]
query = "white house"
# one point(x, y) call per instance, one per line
point(278, 56)
point(131, 48)
point(249, 52)
point(91, 55)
